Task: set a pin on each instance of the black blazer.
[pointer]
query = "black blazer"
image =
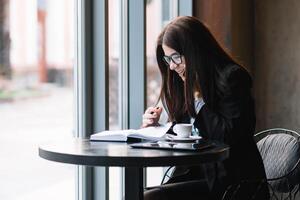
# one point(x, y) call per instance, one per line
point(231, 119)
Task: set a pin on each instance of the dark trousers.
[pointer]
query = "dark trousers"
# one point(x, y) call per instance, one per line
point(190, 190)
point(187, 190)
point(186, 182)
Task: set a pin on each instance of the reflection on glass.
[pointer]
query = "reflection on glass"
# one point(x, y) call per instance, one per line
point(36, 96)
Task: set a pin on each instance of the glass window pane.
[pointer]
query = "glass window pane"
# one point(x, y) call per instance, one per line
point(165, 10)
point(114, 62)
point(36, 97)
point(158, 13)
point(154, 25)
point(115, 173)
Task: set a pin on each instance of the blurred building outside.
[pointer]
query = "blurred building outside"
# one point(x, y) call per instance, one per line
point(40, 38)
point(40, 44)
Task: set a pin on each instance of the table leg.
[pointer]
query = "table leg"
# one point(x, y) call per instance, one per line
point(134, 183)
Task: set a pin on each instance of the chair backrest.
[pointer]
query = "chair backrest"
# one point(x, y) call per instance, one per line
point(280, 151)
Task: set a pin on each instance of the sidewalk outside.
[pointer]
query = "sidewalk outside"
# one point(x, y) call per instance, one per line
point(24, 125)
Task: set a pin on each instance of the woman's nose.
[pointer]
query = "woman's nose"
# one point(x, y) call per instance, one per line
point(172, 65)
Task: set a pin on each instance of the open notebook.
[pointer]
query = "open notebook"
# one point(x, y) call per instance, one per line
point(153, 133)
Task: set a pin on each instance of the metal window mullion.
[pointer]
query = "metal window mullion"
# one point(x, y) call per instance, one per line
point(136, 64)
point(136, 61)
point(123, 74)
point(174, 9)
point(100, 89)
point(82, 97)
point(82, 83)
point(90, 101)
point(100, 65)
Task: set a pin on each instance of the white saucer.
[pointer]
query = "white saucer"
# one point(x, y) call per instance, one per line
point(176, 138)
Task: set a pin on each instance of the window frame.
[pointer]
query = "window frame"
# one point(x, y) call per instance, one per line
point(91, 78)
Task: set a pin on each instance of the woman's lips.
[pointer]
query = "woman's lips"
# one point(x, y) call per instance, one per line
point(181, 72)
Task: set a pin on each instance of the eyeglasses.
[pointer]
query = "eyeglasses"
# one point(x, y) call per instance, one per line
point(175, 58)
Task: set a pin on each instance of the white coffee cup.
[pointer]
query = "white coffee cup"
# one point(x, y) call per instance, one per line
point(183, 130)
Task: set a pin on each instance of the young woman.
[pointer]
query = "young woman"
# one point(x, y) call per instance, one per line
point(202, 83)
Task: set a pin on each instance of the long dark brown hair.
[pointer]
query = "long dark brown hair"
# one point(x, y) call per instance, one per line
point(205, 60)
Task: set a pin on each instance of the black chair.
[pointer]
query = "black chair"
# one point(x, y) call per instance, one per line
point(280, 151)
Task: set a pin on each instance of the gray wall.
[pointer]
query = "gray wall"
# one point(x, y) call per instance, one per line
point(264, 36)
point(277, 63)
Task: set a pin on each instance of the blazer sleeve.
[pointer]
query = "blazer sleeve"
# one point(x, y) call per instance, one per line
point(233, 120)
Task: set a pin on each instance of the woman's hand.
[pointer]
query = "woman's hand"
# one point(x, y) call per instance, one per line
point(151, 116)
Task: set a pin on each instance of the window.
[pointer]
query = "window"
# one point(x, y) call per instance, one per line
point(37, 62)
point(115, 87)
point(36, 96)
point(159, 13)
point(110, 78)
